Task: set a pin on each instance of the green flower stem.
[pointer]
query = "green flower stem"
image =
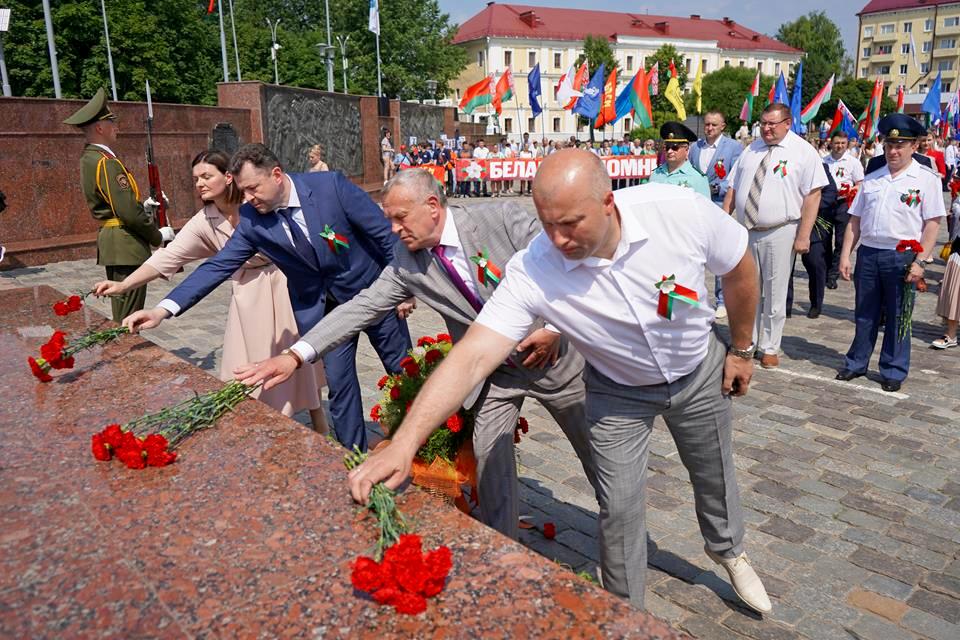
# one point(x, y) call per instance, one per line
point(390, 521)
point(92, 339)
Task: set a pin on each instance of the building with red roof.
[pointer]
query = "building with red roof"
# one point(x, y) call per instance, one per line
point(520, 36)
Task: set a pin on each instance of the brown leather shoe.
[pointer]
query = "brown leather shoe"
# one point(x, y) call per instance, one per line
point(770, 361)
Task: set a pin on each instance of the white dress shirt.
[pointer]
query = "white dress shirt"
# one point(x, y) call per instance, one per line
point(846, 171)
point(481, 153)
point(885, 219)
point(782, 195)
point(707, 151)
point(293, 204)
point(608, 308)
point(950, 155)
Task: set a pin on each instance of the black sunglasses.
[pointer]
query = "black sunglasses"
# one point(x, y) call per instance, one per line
point(673, 146)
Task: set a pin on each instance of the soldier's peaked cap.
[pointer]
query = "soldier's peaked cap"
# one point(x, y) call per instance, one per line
point(93, 111)
point(677, 132)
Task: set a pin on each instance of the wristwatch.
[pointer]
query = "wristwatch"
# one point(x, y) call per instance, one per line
point(746, 354)
point(293, 354)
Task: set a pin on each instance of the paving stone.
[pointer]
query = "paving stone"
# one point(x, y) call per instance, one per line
point(863, 520)
point(888, 608)
point(870, 627)
point(930, 626)
point(787, 530)
point(873, 507)
point(888, 587)
point(821, 489)
point(781, 492)
point(879, 563)
point(937, 604)
point(700, 627)
point(760, 629)
point(923, 557)
point(942, 583)
point(663, 609)
point(842, 481)
point(925, 495)
point(816, 627)
point(696, 598)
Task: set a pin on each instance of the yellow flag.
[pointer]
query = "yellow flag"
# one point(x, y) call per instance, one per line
point(698, 86)
point(673, 95)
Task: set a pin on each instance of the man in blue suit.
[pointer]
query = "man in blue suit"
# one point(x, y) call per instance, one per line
point(714, 155)
point(330, 240)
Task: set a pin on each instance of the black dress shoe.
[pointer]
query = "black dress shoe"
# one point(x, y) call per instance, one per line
point(846, 374)
point(813, 313)
point(831, 284)
point(890, 385)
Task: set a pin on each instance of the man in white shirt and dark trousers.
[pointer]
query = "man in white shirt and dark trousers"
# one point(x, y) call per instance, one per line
point(775, 193)
point(847, 172)
point(621, 276)
point(900, 201)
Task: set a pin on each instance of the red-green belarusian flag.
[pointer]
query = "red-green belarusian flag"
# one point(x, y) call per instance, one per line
point(504, 90)
point(746, 111)
point(773, 92)
point(640, 98)
point(477, 95)
point(810, 111)
point(872, 112)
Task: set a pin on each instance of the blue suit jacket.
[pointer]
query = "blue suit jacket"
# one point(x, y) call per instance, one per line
point(326, 198)
point(728, 150)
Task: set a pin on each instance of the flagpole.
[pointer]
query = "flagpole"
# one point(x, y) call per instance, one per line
point(236, 51)
point(519, 122)
point(223, 42)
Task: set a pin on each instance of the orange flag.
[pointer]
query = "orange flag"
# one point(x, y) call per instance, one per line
point(608, 109)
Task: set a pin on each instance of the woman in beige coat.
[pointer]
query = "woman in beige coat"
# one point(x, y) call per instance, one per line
point(260, 320)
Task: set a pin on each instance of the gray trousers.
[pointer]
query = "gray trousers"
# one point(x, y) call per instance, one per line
point(773, 254)
point(493, 445)
point(621, 420)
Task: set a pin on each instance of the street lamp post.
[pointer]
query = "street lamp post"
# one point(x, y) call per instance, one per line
point(52, 47)
point(274, 48)
point(343, 53)
point(327, 50)
point(4, 27)
point(326, 7)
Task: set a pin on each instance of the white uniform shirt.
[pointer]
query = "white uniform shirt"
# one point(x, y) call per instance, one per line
point(707, 151)
point(481, 153)
point(885, 219)
point(608, 308)
point(847, 170)
point(950, 155)
point(783, 193)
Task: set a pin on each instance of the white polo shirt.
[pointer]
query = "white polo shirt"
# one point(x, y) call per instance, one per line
point(845, 171)
point(608, 308)
point(783, 191)
point(885, 217)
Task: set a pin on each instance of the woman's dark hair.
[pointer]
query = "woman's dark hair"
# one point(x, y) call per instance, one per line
point(221, 161)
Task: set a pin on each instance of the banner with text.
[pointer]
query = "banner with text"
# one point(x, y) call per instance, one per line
point(435, 170)
point(502, 169)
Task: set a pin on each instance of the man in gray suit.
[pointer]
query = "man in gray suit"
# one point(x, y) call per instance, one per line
point(436, 268)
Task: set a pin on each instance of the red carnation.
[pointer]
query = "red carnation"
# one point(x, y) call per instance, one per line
point(394, 393)
point(432, 587)
point(100, 449)
point(132, 457)
point(387, 595)
point(155, 446)
point(523, 424)
point(433, 355)
point(367, 575)
point(455, 423)
point(549, 530)
point(444, 337)
point(51, 352)
point(438, 563)
point(410, 367)
point(60, 308)
point(382, 382)
point(375, 413)
point(40, 369)
point(425, 340)
point(909, 245)
point(410, 604)
point(516, 436)
point(74, 303)
point(112, 435)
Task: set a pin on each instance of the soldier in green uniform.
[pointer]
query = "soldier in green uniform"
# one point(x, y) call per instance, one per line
point(127, 228)
point(677, 170)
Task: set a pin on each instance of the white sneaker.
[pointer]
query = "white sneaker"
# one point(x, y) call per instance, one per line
point(944, 343)
point(721, 312)
point(744, 580)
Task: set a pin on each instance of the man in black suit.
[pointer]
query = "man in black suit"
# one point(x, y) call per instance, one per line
point(880, 161)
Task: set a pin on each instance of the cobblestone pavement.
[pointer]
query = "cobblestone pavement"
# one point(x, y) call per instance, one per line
point(852, 495)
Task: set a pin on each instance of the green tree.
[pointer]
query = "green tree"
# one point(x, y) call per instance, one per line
point(597, 51)
point(663, 56)
point(725, 89)
point(820, 38)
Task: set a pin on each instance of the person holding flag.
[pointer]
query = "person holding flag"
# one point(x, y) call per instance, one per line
point(847, 172)
point(677, 169)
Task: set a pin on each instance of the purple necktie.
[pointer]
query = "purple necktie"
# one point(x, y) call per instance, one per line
point(458, 282)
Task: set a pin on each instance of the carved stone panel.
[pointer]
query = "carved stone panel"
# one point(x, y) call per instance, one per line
point(297, 119)
point(425, 122)
point(224, 138)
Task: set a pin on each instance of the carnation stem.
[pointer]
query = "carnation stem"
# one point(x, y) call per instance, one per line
point(383, 506)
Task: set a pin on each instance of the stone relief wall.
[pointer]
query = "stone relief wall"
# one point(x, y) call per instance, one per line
point(297, 119)
point(423, 121)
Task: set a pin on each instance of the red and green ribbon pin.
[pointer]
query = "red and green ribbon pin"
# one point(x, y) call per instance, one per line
point(911, 198)
point(671, 291)
point(487, 272)
point(781, 168)
point(719, 169)
point(334, 239)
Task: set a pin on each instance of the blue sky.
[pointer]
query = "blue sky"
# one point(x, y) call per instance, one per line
point(762, 15)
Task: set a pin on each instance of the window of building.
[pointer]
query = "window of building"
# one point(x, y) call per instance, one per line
point(907, 27)
point(776, 69)
point(864, 71)
point(760, 67)
point(556, 125)
point(903, 69)
point(868, 32)
point(928, 25)
point(884, 49)
point(947, 43)
point(884, 70)
point(626, 124)
point(951, 22)
point(905, 48)
point(888, 28)
point(508, 125)
point(481, 59)
point(531, 59)
point(629, 63)
point(923, 88)
point(924, 67)
point(507, 58)
point(557, 60)
point(531, 124)
point(688, 63)
point(927, 46)
point(866, 52)
point(703, 65)
point(726, 63)
point(946, 87)
point(945, 65)
point(743, 63)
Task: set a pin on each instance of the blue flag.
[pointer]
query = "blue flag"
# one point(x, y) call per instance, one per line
point(533, 86)
point(931, 104)
point(781, 95)
point(588, 105)
point(796, 103)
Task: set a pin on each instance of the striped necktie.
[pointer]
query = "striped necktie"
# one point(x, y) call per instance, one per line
point(751, 207)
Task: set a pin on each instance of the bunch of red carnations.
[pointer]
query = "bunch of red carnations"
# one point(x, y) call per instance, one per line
point(69, 305)
point(405, 577)
point(57, 353)
point(911, 250)
point(149, 441)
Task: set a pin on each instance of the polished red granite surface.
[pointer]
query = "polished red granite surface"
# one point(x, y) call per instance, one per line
point(249, 534)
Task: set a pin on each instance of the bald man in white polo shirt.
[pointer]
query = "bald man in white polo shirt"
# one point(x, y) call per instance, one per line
point(775, 193)
point(621, 276)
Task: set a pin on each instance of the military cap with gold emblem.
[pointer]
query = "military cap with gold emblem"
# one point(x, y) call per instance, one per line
point(677, 132)
point(93, 111)
point(899, 126)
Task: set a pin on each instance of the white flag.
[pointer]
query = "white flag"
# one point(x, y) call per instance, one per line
point(566, 92)
point(913, 50)
point(374, 24)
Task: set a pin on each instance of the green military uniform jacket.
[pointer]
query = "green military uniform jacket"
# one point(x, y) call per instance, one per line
point(126, 230)
point(686, 175)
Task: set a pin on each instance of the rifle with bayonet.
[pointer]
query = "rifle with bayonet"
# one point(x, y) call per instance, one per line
point(153, 174)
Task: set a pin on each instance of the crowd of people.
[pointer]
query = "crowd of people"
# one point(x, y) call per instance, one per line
point(314, 262)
